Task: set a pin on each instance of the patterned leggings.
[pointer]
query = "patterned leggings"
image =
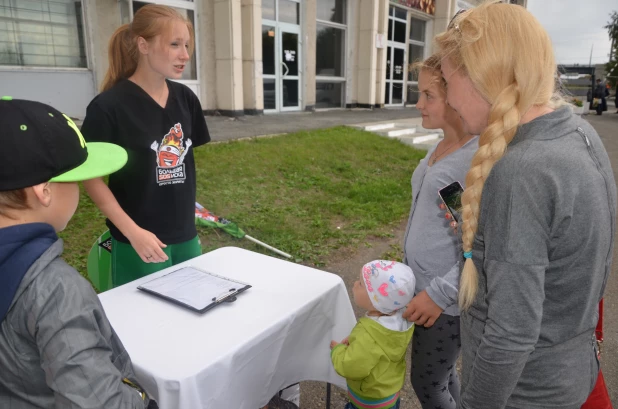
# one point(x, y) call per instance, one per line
point(434, 356)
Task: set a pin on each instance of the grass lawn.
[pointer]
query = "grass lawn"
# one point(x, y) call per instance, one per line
point(307, 193)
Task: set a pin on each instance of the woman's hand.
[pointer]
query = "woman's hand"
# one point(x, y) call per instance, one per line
point(422, 310)
point(147, 246)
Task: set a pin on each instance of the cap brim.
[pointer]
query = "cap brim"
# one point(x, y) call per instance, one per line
point(103, 159)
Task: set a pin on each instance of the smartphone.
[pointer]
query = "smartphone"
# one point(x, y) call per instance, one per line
point(451, 196)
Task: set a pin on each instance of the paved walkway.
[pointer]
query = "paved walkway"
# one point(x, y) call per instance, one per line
point(225, 128)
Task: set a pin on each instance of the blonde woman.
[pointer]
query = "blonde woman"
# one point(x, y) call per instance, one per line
point(432, 250)
point(538, 217)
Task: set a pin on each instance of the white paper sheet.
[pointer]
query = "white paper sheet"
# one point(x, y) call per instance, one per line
point(193, 287)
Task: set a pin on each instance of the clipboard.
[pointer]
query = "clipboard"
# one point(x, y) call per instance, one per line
point(195, 289)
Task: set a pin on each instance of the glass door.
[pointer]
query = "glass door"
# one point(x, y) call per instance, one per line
point(289, 81)
point(270, 68)
point(395, 70)
point(281, 52)
point(395, 56)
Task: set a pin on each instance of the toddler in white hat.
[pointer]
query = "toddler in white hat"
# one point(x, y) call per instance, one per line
point(372, 358)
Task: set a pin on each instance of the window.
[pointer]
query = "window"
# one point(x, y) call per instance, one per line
point(46, 33)
point(332, 10)
point(190, 72)
point(330, 46)
point(330, 53)
point(268, 50)
point(416, 52)
point(328, 94)
point(397, 25)
point(289, 12)
point(268, 10)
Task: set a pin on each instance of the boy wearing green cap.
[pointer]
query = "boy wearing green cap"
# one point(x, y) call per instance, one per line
point(57, 348)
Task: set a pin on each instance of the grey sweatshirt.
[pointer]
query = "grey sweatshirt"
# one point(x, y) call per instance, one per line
point(431, 249)
point(543, 251)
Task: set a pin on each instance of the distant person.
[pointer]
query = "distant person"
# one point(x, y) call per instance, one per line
point(600, 92)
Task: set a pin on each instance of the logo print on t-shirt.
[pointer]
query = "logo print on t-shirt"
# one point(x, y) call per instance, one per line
point(170, 156)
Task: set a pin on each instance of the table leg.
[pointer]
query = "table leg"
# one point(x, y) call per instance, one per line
point(328, 396)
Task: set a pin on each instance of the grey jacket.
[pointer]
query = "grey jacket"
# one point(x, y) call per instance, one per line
point(57, 348)
point(431, 249)
point(543, 251)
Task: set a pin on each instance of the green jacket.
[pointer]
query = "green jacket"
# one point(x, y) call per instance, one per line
point(374, 363)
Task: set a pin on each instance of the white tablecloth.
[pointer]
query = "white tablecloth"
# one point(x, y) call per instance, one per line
point(238, 355)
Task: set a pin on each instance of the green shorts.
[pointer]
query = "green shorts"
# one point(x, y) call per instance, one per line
point(128, 266)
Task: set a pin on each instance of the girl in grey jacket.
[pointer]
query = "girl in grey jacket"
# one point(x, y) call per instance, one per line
point(432, 250)
point(538, 218)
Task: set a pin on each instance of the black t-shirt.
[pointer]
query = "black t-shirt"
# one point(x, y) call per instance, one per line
point(156, 187)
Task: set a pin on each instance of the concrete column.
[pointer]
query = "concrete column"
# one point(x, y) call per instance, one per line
point(381, 53)
point(102, 19)
point(367, 61)
point(228, 55)
point(207, 63)
point(308, 40)
point(253, 89)
point(352, 55)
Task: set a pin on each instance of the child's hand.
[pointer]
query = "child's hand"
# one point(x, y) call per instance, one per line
point(422, 310)
point(335, 343)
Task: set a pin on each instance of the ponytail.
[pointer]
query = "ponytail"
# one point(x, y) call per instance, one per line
point(123, 57)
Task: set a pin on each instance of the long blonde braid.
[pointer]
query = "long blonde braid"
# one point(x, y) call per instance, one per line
point(508, 57)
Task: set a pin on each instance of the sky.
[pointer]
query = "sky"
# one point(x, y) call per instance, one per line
point(575, 26)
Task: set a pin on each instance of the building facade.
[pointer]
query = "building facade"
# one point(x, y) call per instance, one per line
point(251, 56)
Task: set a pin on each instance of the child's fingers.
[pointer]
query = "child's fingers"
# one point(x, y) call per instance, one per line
point(441, 206)
point(422, 320)
point(430, 322)
point(415, 316)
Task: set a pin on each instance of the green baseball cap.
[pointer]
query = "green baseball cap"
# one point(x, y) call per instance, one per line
point(41, 144)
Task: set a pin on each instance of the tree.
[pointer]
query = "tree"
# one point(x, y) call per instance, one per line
point(611, 68)
point(612, 30)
